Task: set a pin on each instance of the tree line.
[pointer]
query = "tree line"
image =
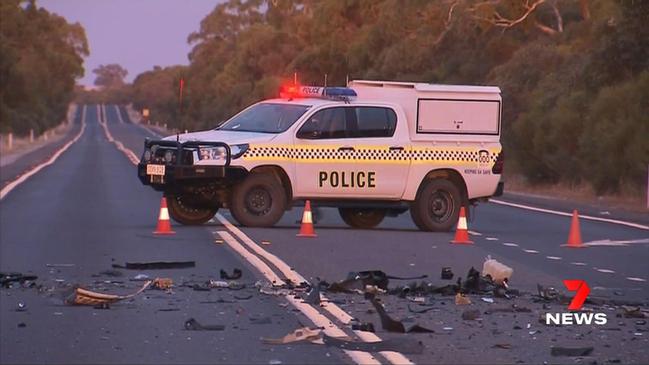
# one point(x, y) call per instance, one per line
point(41, 56)
point(574, 73)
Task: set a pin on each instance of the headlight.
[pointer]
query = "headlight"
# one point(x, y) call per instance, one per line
point(212, 153)
point(238, 150)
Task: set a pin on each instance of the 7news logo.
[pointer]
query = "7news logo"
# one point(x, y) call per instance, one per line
point(581, 290)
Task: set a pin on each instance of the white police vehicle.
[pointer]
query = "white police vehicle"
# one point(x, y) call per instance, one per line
point(372, 149)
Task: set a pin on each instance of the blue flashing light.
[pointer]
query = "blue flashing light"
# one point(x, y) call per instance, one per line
point(339, 92)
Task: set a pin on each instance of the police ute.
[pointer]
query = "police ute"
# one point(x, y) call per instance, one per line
point(371, 149)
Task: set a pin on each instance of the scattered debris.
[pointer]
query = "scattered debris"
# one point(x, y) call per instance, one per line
point(420, 311)
point(141, 277)
point(487, 300)
point(301, 334)
point(633, 312)
point(392, 325)
point(159, 265)
point(6, 279)
point(357, 281)
point(236, 275)
point(21, 307)
point(163, 283)
point(82, 296)
point(313, 296)
point(471, 314)
point(571, 351)
point(193, 325)
point(505, 346)
point(447, 274)
point(22, 325)
point(499, 273)
point(264, 242)
point(60, 265)
point(461, 299)
point(403, 345)
point(366, 327)
point(549, 293)
point(260, 320)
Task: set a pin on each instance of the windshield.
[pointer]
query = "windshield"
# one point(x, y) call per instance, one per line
point(265, 118)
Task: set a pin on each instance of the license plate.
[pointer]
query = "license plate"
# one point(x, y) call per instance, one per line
point(157, 170)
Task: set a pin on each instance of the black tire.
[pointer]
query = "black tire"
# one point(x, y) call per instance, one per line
point(259, 201)
point(185, 214)
point(437, 206)
point(362, 217)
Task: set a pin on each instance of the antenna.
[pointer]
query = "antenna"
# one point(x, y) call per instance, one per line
point(347, 80)
point(295, 78)
point(325, 84)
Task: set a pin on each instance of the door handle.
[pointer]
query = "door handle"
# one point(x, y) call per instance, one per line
point(345, 148)
point(396, 148)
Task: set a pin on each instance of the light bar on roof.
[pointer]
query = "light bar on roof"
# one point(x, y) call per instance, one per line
point(331, 93)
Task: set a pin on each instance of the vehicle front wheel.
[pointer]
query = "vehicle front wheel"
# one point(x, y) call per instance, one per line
point(362, 217)
point(184, 213)
point(258, 201)
point(437, 206)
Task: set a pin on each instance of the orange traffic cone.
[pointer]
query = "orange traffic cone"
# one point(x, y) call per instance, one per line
point(574, 237)
point(306, 228)
point(164, 226)
point(462, 232)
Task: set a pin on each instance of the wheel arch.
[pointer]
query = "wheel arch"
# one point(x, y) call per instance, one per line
point(448, 174)
point(280, 174)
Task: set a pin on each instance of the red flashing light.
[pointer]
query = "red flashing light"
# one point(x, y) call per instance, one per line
point(289, 91)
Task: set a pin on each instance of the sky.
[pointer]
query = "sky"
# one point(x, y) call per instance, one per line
point(137, 34)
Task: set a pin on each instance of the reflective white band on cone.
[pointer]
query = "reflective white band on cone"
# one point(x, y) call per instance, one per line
point(461, 224)
point(164, 214)
point(306, 217)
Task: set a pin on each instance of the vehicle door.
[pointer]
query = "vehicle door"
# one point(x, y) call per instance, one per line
point(351, 151)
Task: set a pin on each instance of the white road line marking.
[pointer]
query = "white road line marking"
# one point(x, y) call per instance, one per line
point(317, 318)
point(579, 263)
point(21, 179)
point(606, 271)
point(553, 257)
point(608, 242)
point(510, 244)
point(345, 318)
point(281, 265)
point(474, 233)
point(120, 146)
point(255, 261)
point(635, 279)
point(119, 114)
point(565, 214)
point(530, 251)
point(491, 239)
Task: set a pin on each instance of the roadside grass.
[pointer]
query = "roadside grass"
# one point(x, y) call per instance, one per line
point(628, 199)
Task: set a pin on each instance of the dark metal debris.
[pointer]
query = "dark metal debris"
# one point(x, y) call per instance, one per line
point(158, 265)
point(403, 345)
point(236, 275)
point(392, 325)
point(571, 351)
point(15, 277)
point(193, 325)
point(367, 327)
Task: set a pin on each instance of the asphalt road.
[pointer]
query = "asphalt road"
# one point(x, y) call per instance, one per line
point(89, 210)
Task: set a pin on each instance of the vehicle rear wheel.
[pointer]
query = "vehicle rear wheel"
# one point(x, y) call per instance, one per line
point(437, 206)
point(184, 213)
point(362, 217)
point(259, 201)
